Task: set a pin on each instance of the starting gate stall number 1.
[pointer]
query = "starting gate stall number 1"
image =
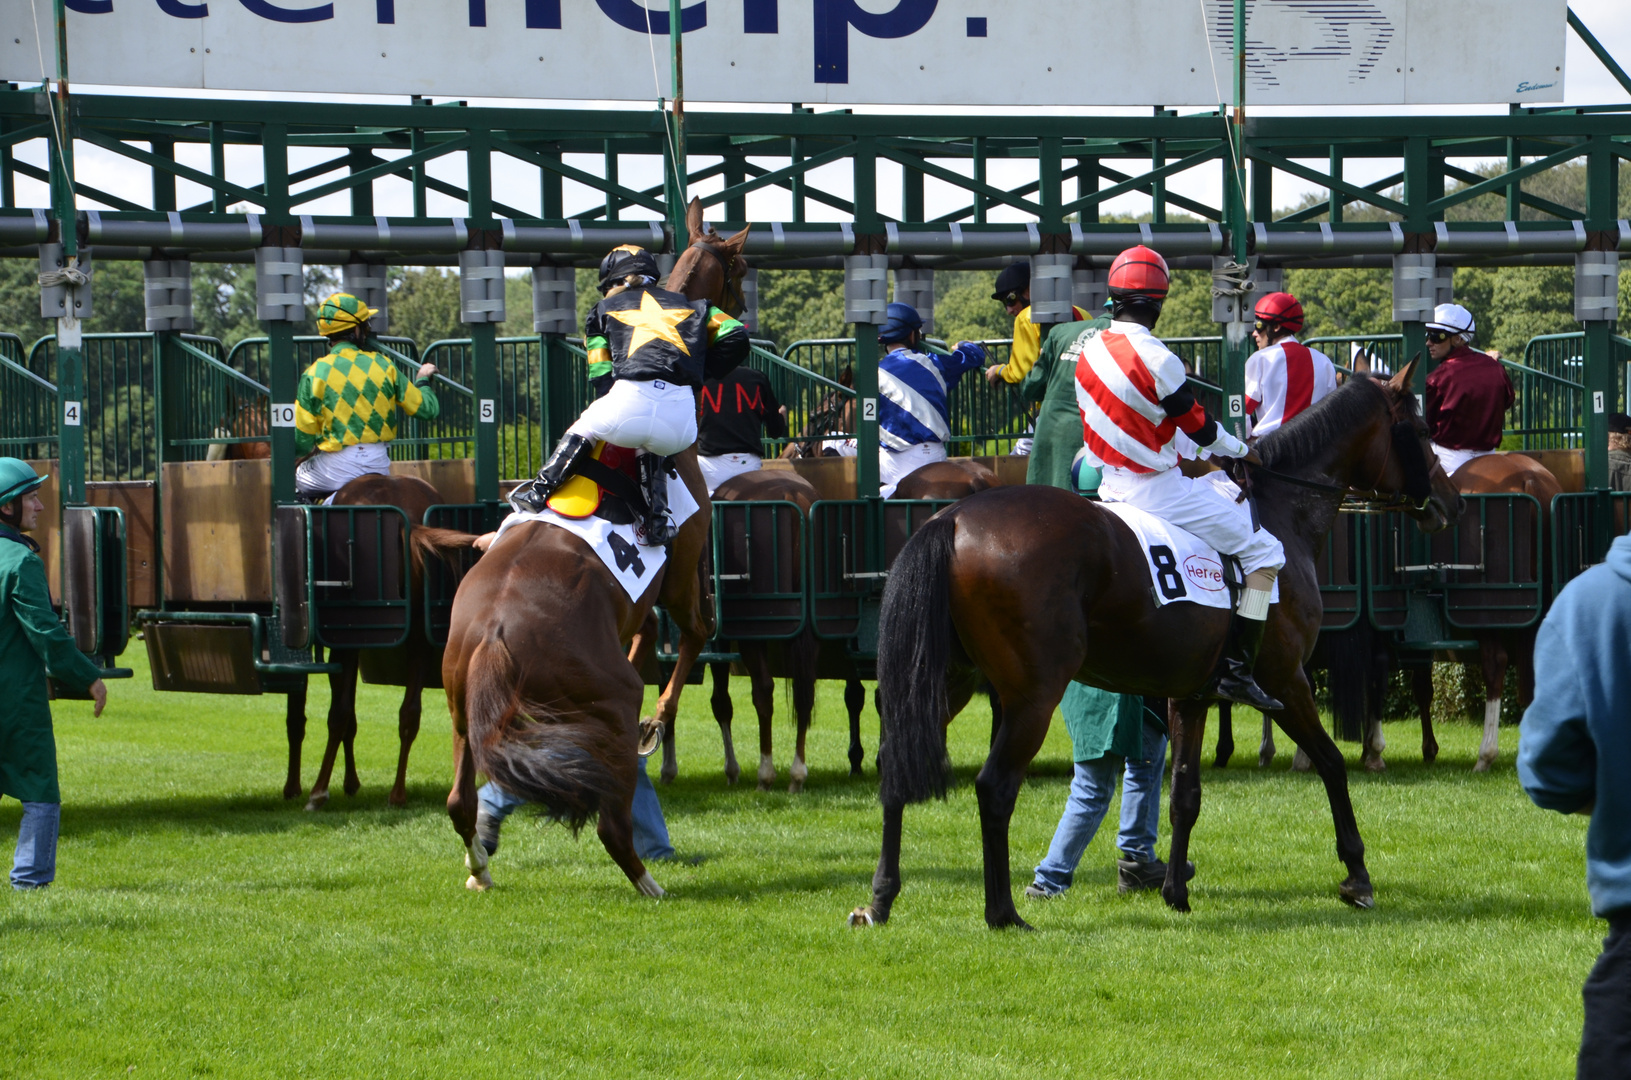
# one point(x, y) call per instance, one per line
point(846, 52)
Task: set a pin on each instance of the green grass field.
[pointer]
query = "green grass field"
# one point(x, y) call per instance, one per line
point(201, 926)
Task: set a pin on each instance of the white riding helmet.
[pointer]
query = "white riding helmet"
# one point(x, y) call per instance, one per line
point(1454, 318)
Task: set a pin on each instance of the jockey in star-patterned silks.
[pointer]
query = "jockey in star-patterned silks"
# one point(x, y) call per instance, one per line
point(660, 347)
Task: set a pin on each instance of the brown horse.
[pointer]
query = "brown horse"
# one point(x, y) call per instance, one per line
point(413, 497)
point(1033, 586)
point(955, 478)
point(1487, 475)
point(539, 685)
point(798, 656)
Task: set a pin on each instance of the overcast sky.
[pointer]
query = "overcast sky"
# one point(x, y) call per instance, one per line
point(1587, 83)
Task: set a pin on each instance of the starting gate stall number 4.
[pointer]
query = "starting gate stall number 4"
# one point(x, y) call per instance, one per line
point(1349, 52)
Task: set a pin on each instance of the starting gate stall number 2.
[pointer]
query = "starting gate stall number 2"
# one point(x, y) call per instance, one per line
point(1349, 52)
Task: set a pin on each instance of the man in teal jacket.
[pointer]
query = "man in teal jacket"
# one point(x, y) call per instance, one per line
point(33, 642)
point(1574, 756)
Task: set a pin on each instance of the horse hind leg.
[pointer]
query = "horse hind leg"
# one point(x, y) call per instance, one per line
point(294, 721)
point(1226, 735)
point(407, 722)
point(854, 703)
point(1266, 749)
point(756, 661)
point(341, 717)
point(1494, 664)
point(461, 809)
point(1421, 689)
point(724, 710)
point(802, 652)
point(616, 832)
point(997, 787)
point(1186, 720)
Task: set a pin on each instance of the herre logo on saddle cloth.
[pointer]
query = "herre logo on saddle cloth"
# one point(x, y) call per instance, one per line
point(1181, 567)
point(620, 546)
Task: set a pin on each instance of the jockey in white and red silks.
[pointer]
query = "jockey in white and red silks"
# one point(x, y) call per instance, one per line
point(1134, 398)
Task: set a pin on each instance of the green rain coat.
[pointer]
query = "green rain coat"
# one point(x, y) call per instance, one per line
point(1099, 722)
point(32, 642)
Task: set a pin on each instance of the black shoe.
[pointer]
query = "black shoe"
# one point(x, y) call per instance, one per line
point(1239, 661)
point(1135, 876)
point(534, 494)
point(654, 472)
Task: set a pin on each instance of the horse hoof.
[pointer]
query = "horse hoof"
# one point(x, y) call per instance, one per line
point(293, 791)
point(1481, 765)
point(1264, 760)
point(1429, 754)
point(651, 735)
point(1302, 762)
point(352, 787)
point(479, 882)
point(1375, 765)
point(764, 785)
point(1009, 922)
point(398, 799)
point(1359, 895)
point(318, 800)
point(855, 771)
point(1221, 761)
point(796, 787)
point(649, 887)
point(862, 916)
point(1177, 899)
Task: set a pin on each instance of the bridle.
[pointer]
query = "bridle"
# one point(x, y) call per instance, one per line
point(733, 292)
point(1360, 500)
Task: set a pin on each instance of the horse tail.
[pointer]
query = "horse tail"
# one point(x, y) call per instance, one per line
point(1348, 674)
point(428, 543)
point(545, 759)
point(914, 652)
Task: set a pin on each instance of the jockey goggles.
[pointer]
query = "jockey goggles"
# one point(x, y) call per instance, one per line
point(343, 313)
point(1008, 298)
point(1439, 337)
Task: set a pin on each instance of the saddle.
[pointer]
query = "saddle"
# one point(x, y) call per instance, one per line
point(606, 484)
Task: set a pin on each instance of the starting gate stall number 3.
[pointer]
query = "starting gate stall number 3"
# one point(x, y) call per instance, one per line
point(1349, 52)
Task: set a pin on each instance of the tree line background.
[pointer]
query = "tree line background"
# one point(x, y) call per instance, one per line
point(1511, 304)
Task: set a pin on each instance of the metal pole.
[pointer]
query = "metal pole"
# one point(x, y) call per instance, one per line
point(1235, 345)
point(483, 335)
point(866, 335)
point(679, 183)
point(284, 375)
point(1601, 385)
point(70, 357)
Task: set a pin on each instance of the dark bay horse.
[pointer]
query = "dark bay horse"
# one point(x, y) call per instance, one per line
point(540, 687)
point(1034, 586)
point(413, 497)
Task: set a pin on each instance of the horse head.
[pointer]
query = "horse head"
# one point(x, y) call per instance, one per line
point(1413, 468)
point(712, 268)
point(832, 415)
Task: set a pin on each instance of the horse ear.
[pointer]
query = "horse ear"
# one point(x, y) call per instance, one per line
point(736, 243)
point(1401, 383)
point(693, 220)
point(847, 376)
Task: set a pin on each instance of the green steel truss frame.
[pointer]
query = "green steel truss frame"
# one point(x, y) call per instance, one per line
point(1081, 163)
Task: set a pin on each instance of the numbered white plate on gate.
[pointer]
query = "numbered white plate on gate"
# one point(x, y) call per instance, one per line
point(488, 413)
point(869, 409)
point(70, 413)
point(283, 415)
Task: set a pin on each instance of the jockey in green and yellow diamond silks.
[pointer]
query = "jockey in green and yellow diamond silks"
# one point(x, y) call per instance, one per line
point(346, 404)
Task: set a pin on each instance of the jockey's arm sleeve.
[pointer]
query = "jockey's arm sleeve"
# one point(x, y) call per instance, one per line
point(308, 412)
point(1206, 432)
point(727, 344)
point(774, 422)
point(1026, 348)
point(967, 356)
point(599, 356)
point(418, 399)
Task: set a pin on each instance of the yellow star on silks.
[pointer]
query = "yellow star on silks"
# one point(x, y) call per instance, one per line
point(653, 322)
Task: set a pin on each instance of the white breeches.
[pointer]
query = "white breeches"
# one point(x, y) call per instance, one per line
point(721, 467)
point(896, 465)
point(655, 415)
point(331, 470)
point(1454, 459)
point(1204, 506)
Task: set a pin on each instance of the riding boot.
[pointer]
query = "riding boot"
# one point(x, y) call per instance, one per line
point(1239, 661)
point(531, 496)
point(654, 478)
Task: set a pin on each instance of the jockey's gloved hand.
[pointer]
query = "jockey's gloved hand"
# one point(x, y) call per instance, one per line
point(1251, 458)
point(1226, 445)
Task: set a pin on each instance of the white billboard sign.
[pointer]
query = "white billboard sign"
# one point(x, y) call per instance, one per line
point(839, 52)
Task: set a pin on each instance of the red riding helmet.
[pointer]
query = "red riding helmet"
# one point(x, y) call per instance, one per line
point(1281, 310)
point(1138, 271)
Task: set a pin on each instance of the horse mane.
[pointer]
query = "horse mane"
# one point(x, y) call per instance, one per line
point(1311, 432)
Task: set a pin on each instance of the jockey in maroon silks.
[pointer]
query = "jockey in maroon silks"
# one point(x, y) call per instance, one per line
point(1468, 393)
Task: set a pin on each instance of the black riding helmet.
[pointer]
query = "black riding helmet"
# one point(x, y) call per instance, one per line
point(620, 262)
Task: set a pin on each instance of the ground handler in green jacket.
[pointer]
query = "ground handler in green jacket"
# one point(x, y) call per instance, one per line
point(1106, 730)
point(33, 642)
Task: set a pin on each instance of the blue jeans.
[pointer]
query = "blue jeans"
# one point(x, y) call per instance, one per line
point(35, 865)
point(650, 830)
point(1089, 801)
